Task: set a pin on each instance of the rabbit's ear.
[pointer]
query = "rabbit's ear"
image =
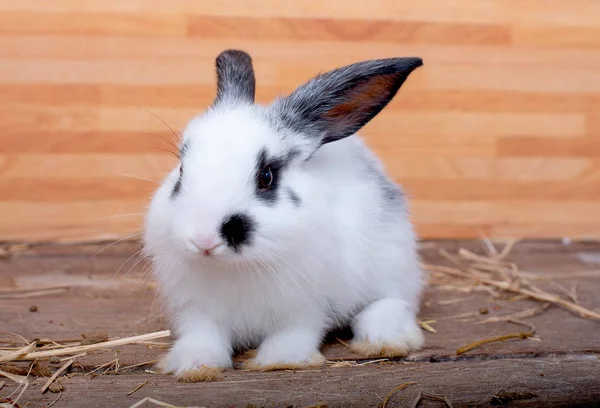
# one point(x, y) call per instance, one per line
point(338, 103)
point(235, 77)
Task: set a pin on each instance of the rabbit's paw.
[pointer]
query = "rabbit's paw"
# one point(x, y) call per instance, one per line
point(386, 328)
point(193, 360)
point(287, 351)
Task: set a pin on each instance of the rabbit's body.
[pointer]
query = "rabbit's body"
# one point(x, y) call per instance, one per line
point(329, 243)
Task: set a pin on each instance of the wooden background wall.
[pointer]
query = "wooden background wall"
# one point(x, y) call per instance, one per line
point(498, 133)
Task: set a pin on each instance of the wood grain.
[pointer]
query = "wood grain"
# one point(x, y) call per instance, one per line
point(545, 381)
point(499, 131)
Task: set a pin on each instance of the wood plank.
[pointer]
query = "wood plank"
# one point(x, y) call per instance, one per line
point(70, 190)
point(528, 146)
point(137, 72)
point(95, 24)
point(302, 29)
point(326, 54)
point(553, 12)
point(484, 125)
point(200, 96)
point(86, 220)
point(549, 230)
point(470, 11)
point(556, 36)
point(523, 78)
point(68, 143)
point(152, 167)
point(494, 169)
point(492, 191)
point(548, 381)
point(500, 212)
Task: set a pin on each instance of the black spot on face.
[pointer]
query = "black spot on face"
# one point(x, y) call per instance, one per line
point(176, 188)
point(271, 169)
point(237, 230)
point(183, 150)
point(294, 198)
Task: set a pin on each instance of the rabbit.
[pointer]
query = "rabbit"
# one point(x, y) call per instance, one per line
point(279, 224)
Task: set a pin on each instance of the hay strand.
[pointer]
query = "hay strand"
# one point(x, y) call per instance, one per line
point(11, 356)
point(425, 325)
point(480, 343)
point(138, 387)
point(90, 347)
point(150, 363)
point(434, 397)
point(56, 374)
point(155, 402)
point(56, 400)
point(19, 379)
point(395, 390)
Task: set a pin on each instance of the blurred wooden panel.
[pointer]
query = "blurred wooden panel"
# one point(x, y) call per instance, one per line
point(568, 37)
point(498, 134)
point(347, 30)
point(100, 24)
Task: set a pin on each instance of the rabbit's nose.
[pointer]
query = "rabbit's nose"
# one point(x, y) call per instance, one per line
point(206, 245)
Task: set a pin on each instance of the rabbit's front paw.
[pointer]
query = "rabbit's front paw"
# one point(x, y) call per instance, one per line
point(386, 328)
point(192, 359)
point(288, 350)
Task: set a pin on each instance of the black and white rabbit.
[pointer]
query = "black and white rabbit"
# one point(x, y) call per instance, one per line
point(279, 224)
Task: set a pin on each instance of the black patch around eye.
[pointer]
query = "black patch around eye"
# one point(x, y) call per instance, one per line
point(276, 165)
point(294, 198)
point(237, 230)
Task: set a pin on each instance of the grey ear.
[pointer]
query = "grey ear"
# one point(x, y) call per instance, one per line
point(235, 77)
point(337, 104)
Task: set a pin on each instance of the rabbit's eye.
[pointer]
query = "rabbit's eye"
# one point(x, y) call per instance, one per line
point(265, 178)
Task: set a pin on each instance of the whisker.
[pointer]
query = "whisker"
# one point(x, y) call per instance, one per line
point(163, 139)
point(140, 259)
point(146, 278)
point(177, 155)
point(116, 242)
point(121, 215)
point(128, 259)
point(137, 177)
point(163, 122)
point(150, 315)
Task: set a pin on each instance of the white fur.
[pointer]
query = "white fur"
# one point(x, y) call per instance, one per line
point(335, 257)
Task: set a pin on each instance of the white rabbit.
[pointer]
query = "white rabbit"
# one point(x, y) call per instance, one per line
point(279, 225)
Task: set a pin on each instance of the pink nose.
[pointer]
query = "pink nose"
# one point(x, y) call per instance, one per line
point(206, 244)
